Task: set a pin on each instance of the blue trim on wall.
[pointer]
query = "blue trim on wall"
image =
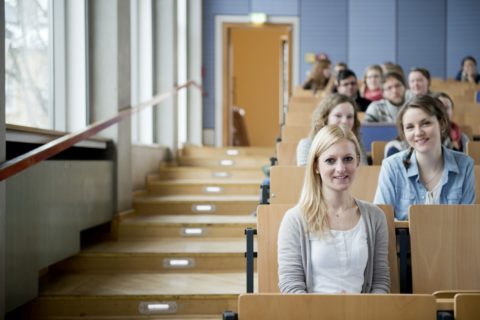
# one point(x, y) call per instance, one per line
point(323, 28)
point(463, 33)
point(276, 7)
point(421, 41)
point(371, 30)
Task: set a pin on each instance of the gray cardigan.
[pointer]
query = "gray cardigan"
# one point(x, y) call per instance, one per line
point(294, 258)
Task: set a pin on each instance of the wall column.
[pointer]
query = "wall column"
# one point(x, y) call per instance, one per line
point(165, 76)
point(2, 159)
point(109, 83)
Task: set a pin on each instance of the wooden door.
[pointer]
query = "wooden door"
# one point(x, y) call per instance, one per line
point(254, 79)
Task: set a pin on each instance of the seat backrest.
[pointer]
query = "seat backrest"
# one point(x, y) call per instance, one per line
point(286, 183)
point(336, 307)
point(376, 131)
point(293, 134)
point(467, 306)
point(269, 218)
point(477, 184)
point(378, 152)
point(445, 247)
point(298, 118)
point(473, 150)
point(287, 153)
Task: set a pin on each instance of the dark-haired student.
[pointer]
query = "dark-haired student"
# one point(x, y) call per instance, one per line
point(427, 172)
point(347, 84)
point(468, 73)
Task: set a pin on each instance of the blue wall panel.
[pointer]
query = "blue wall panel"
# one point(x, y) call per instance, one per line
point(371, 33)
point(463, 33)
point(435, 34)
point(323, 28)
point(275, 7)
point(422, 35)
point(210, 9)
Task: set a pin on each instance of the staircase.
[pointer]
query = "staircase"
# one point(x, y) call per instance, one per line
point(179, 254)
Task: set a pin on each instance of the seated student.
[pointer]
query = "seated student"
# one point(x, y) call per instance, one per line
point(386, 110)
point(319, 76)
point(456, 139)
point(334, 109)
point(389, 66)
point(372, 83)
point(418, 83)
point(468, 73)
point(331, 86)
point(330, 242)
point(426, 173)
point(347, 84)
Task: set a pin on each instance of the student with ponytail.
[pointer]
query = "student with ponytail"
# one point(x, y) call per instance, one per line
point(427, 172)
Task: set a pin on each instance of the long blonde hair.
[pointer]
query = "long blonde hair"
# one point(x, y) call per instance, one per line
point(312, 201)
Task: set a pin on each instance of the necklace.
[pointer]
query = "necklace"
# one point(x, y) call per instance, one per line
point(351, 206)
point(427, 182)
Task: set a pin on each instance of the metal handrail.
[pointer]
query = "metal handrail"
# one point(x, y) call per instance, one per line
point(50, 149)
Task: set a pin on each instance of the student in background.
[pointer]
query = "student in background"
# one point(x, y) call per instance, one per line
point(468, 73)
point(427, 172)
point(334, 109)
point(331, 86)
point(418, 82)
point(372, 83)
point(347, 84)
point(330, 242)
point(319, 76)
point(456, 139)
point(386, 110)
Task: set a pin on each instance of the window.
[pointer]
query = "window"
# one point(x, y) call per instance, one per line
point(27, 63)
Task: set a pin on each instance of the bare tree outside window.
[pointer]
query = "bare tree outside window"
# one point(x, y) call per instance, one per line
point(27, 62)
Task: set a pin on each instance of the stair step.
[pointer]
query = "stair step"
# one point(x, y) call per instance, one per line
point(128, 306)
point(191, 226)
point(204, 187)
point(187, 204)
point(196, 151)
point(224, 162)
point(221, 174)
point(166, 255)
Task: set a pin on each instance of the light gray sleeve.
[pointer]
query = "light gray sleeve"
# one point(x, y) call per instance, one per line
point(371, 114)
point(303, 147)
point(381, 270)
point(291, 273)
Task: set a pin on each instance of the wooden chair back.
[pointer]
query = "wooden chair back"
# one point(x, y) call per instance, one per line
point(287, 153)
point(286, 183)
point(467, 306)
point(378, 152)
point(477, 184)
point(293, 134)
point(445, 247)
point(269, 218)
point(336, 307)
point(298, 119)
point(473, 150)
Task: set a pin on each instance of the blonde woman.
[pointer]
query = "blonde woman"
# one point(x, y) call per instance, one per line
point(330, 242)
point(334, 109)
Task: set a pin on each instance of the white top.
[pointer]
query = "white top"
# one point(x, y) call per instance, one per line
point(339, 259)
point(433, 197)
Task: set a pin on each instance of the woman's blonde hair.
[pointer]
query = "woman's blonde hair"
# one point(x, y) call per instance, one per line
point(312, 201)
point(321, 113)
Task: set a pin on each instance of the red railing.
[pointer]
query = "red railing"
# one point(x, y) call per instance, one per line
point(48, 150)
